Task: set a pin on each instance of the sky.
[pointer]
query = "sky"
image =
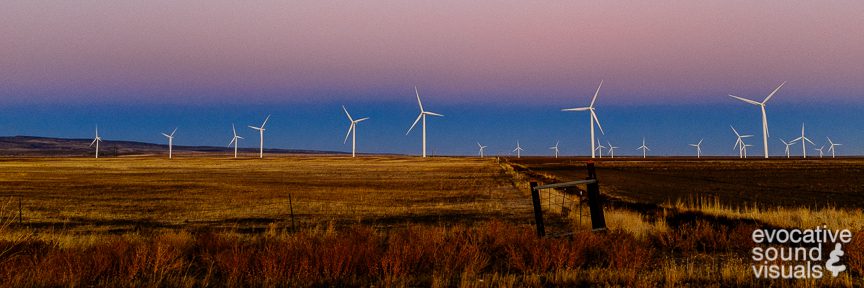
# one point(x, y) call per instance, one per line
point(498, 70)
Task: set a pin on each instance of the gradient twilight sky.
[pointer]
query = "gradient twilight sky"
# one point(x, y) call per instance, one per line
point(295, 57)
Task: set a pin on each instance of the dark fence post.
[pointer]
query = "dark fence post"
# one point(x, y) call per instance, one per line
point(595, 203)
point(538, 210)
point(291, 207)
point(20, 215)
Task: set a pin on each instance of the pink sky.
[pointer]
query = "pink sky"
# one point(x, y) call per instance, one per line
point(486, 51)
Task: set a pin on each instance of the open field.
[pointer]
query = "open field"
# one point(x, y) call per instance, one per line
point(777, 182)
point(124, 194)
point(402, 221)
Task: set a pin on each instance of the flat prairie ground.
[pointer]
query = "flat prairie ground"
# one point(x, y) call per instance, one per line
point(813, 183)
point(134, 193)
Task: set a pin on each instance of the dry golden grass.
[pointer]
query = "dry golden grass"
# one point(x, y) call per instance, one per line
point(127, 194)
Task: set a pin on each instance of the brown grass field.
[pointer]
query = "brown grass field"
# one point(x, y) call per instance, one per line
point(406, 221)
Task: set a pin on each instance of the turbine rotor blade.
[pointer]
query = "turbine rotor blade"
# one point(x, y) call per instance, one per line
point(594, 115)
point(433, 114)
point(166, 135)
point(265, 121)
point(348, 134)
point(415, 123)
point(417, 92)
point(746, 100)
point(175, 131)
point(361, 120)
point(772, 93)
point(346, 113)
point(595, 94)
point(577, 109)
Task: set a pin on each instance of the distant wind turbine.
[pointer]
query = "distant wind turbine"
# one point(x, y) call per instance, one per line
point(698, 148)
point(96, 141)
point(832, 146)
point(518, 150)
point(739, 144)
point(592, 116)
point(352, 128)
point(644, 149)
point(261, 131)
point(611, 149)
point(481, 149)
point(764, 116)
point(787, 146)
point(170, 143)
point(820, 151)
point(600, 148)
point(555, 148)
point(235, 140)
point(802, 139)
point(422, 115)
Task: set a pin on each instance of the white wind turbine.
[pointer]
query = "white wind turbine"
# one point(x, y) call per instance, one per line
point(592, 117)
point(518, 150)
point(832, 146)
point(820, 151)
point(611, 149)
point(644, 149)
point(739, 144)
point(482, 148)
point(235, 140)
point(170, 143)
point(261, 131)
point(352, 128)
point(787, 146)
point(555, 148)
point(764, 116)
point(698, 148)
point(600, 148)
point(802, 139)
point(96, 141)
point(422, 115)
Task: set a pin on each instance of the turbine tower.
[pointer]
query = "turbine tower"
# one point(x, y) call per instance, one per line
point(555, 148)
point(518, 150)
point(611, 150)
point(802, 139)
point(592, 117)
point(352, 128)
point(832, 146)
point(600, 148)
point(482, 148)
point(261, 131)
point(644, 149)
point(170, 143)
point(739, 144)
point(698, 148)
point(422, 115)
point(764, 116)
point(235, 140)
point(96, 141)
point(787, 146)
point(820, 151)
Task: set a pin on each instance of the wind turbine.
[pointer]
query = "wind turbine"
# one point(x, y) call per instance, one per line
point(352, 128)
point(802, 139)
point(518, 150)
point(555, 148)
point(820, 151)
point(592, 117)
point(96, 141)
point(422, 115)
point(787, 146)
point(611, 149)
point(644, 149)
point(170, 143)
point(600, 148)
point(740, 143)
point(481, 149)
point(764, 116)
point(832, 146)
point(698, 148)
point(261, 131)
point(235, 140)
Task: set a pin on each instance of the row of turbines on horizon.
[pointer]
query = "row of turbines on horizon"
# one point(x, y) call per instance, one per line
point(596, 150)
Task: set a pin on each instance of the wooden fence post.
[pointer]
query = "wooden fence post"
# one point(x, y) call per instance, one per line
point(595, 203)
point(538, 210)
point(20, 215)
point(291, 207)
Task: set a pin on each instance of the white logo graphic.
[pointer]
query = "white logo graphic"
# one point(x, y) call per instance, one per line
point(834, 258)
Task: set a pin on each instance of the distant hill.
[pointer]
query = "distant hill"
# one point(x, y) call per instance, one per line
point(43, 146)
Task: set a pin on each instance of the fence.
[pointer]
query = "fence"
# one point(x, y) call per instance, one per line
point(595, 202)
